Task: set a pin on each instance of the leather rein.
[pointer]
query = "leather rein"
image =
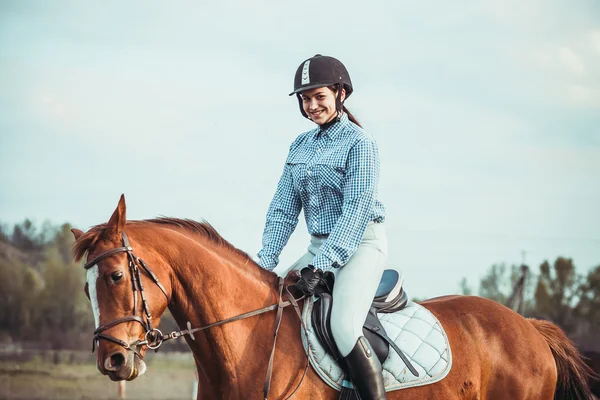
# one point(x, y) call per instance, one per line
point(154, 338)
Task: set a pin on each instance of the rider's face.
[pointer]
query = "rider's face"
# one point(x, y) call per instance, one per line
point(319, 104)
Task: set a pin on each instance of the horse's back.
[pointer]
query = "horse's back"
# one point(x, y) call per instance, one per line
point(496, 352)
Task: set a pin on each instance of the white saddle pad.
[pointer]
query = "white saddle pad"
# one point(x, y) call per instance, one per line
point(414, 329)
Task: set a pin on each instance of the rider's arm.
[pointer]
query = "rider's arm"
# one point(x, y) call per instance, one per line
point(359, 188)
point(282, 218)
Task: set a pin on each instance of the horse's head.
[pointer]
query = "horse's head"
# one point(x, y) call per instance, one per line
point(127, 297)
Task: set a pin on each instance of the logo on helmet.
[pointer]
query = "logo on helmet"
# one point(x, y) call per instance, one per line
point(305, 73)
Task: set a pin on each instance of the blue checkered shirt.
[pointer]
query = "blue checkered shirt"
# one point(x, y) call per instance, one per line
point(333, 175)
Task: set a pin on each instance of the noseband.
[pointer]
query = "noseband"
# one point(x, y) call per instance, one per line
point(153, 336)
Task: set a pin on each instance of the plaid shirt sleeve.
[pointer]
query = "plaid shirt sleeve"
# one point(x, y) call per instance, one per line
point(359, 189)
point(282, 218)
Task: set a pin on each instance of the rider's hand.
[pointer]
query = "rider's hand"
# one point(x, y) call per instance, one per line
point(311, 277)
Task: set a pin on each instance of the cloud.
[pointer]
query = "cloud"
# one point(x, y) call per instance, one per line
point(570, 60)
point(50, 106)
point(555, 47)
point(594, 37)
point(583, 96)
point(568, 73)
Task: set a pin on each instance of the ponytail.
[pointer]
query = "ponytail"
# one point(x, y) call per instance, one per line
point(351, 117)
point(334, 89)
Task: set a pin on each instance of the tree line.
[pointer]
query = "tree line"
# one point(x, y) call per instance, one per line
point(555, 292)
point(42, 298)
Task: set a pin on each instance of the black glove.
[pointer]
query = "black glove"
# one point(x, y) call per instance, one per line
point(310, 279)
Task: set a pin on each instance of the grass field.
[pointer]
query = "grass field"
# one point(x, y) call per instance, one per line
point(169, 376)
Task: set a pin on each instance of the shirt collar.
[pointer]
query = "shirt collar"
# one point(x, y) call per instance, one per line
point(333, 129)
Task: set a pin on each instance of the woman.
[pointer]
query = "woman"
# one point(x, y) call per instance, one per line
point(332, 172)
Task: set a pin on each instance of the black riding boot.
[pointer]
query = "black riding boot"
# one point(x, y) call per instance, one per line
point(365, 371)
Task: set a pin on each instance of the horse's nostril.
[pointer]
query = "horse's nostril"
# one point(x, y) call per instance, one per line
point(115, 362)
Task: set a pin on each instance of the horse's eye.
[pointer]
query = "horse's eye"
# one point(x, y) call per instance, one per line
point(116, 276)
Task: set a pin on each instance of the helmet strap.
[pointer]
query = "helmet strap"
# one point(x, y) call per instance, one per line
point(301, 106)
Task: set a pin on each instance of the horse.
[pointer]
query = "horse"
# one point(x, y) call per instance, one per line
point(136, 269)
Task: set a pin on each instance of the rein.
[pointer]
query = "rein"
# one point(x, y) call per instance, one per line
point(154, 338)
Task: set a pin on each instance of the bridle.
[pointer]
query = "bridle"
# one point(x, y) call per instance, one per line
point(153, 337)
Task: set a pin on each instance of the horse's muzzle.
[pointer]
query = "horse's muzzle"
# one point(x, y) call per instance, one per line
point(120, 366)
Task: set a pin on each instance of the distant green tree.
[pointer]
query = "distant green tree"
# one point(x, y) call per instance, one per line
point(20, 286)
point(61, 242)
point(41, 288)
point(64, 308)
point(499, 283)
point(465, 289)
point(556, 293)
point(588, 307)
point(10, 278)
point(496, 284)
point(4, 234)
point(24, 237)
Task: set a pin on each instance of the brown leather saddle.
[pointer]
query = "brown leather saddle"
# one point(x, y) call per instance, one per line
point(389, 298)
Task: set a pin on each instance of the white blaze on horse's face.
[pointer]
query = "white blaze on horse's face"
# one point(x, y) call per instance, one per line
point(92, 277)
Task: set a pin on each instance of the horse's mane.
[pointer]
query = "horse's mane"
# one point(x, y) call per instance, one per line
point(203, 228)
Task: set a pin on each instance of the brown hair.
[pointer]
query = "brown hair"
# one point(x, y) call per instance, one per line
point(351, 117)
point(334, 89)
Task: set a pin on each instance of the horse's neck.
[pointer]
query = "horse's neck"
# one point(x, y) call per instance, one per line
point(210, 284)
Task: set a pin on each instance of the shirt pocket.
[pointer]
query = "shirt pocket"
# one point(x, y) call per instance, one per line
point(297, 165)
point(331, 174)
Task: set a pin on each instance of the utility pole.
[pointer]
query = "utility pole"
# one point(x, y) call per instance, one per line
point(516, 301)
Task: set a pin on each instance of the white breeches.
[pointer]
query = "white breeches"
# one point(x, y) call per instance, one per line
point(355, 284)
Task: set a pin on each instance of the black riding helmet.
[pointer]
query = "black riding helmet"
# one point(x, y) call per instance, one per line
point(320, 71)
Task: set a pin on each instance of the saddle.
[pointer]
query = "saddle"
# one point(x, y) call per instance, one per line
point(390, 297)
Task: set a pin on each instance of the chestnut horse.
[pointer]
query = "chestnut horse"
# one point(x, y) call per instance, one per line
point(188, 267)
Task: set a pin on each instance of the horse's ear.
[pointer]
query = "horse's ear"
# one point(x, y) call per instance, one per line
point(116, 223)
point(77, 233)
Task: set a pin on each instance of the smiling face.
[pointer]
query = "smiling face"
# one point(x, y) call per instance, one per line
point(319, 104)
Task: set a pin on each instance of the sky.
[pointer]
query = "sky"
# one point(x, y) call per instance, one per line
point(486, 113)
